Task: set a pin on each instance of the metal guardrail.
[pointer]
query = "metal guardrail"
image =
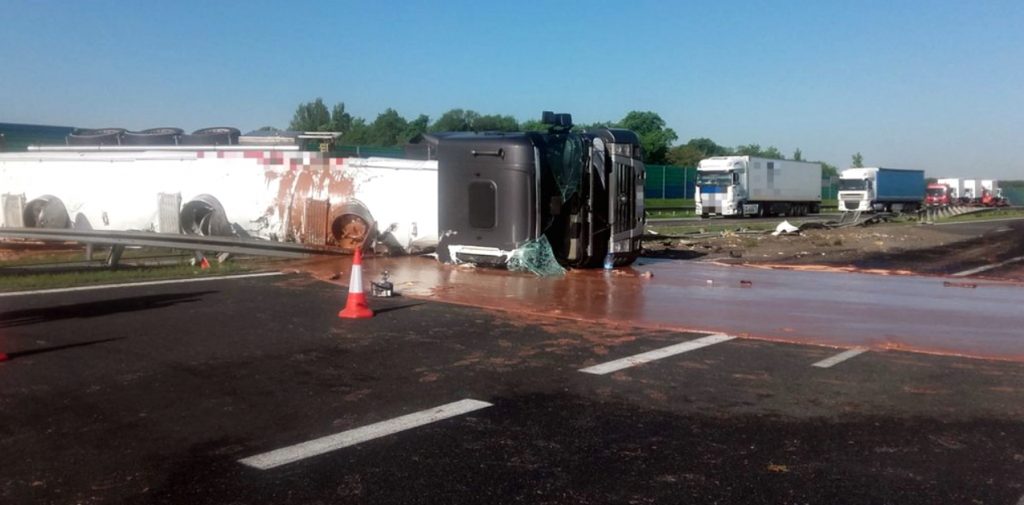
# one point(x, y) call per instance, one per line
point(231, 245)
point(931, 214)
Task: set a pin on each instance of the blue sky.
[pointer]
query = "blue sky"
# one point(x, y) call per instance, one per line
point(937, 85)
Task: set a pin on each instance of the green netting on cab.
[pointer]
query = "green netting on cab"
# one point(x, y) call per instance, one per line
point(535, 256)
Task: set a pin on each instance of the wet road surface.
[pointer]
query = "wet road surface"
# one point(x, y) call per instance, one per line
point(928, 314)
point(157, 398)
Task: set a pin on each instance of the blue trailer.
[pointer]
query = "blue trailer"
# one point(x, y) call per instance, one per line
point(877, 189)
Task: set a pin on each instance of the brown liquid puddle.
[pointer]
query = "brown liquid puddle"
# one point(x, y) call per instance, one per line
point(904, 312)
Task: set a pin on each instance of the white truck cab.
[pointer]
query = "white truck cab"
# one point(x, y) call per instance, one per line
point(857, 189)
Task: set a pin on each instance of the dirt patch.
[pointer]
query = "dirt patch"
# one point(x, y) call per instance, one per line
point(883, 248)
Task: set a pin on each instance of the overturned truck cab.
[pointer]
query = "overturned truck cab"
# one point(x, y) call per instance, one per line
point(581, 193)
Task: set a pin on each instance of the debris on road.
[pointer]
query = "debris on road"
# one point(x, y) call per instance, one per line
point(785, 228)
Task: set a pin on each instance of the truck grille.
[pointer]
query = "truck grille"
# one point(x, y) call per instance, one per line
point(851, 204)
point(625, 208)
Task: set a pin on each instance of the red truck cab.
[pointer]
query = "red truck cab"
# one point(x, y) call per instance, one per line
point(937, 194)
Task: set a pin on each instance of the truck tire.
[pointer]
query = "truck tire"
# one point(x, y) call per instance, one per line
point(351, 226)
point(626, 260)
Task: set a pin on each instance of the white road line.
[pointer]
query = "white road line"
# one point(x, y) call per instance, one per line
point(137, 284)
point(355, 436)
point(984, 268)
point(664, 352)
point(841, 357)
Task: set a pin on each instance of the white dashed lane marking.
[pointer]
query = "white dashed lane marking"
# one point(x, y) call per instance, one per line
point(841, 357)
point(664, 352)
point(355, 436)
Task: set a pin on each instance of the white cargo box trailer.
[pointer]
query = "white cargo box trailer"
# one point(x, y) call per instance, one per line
point(972, 190)
point(272, 192)
point(747, 185)
point(955, 185)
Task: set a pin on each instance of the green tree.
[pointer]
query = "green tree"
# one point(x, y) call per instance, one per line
point(773, 153)
point(655, 137)
point(495, 123)
point(858, 160)
point(268, 129)
point(455, 120)
point(416, 127)
point(748, 150)
point(827, 170)
point(533, 125)
point(311, 116)
point(388, 128)
point(798, 155)
point(708, 147)
point(685, 156)
point(593, 126)
point(756, 150)
point(690, 154)
point(341, 121)
point(358, 133)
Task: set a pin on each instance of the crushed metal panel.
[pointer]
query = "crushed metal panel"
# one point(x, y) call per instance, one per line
point(13, 210)
point(168, 218)
point(314, 222)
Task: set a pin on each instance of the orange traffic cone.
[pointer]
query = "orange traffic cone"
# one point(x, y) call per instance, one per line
point(355, 306)
point(205, 264)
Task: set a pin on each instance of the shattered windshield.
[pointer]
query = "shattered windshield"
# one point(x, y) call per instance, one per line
point(564, 155)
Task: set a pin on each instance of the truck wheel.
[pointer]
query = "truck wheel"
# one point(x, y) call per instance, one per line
point(626, 260)
point(704, 216)
point(352, 226)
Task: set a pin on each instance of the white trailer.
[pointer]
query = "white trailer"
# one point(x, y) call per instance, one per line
point(273, 192)
point(747, 185)
point(992, 187)
point(955, 185)
point(972, 190)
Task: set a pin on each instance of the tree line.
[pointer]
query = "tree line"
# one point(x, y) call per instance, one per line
point(391, 129)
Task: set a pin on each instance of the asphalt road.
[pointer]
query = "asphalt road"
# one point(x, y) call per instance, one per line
point(155, 395)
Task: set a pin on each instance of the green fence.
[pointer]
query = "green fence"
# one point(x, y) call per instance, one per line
point(1014, 195)
point(829, 188)
point(669, 181)
point(368, 151)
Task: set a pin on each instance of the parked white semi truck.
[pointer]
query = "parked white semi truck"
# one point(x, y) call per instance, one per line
point(751, 186)
point(876, 189)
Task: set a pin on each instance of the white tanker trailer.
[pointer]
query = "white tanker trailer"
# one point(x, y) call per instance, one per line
point(275, 192)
